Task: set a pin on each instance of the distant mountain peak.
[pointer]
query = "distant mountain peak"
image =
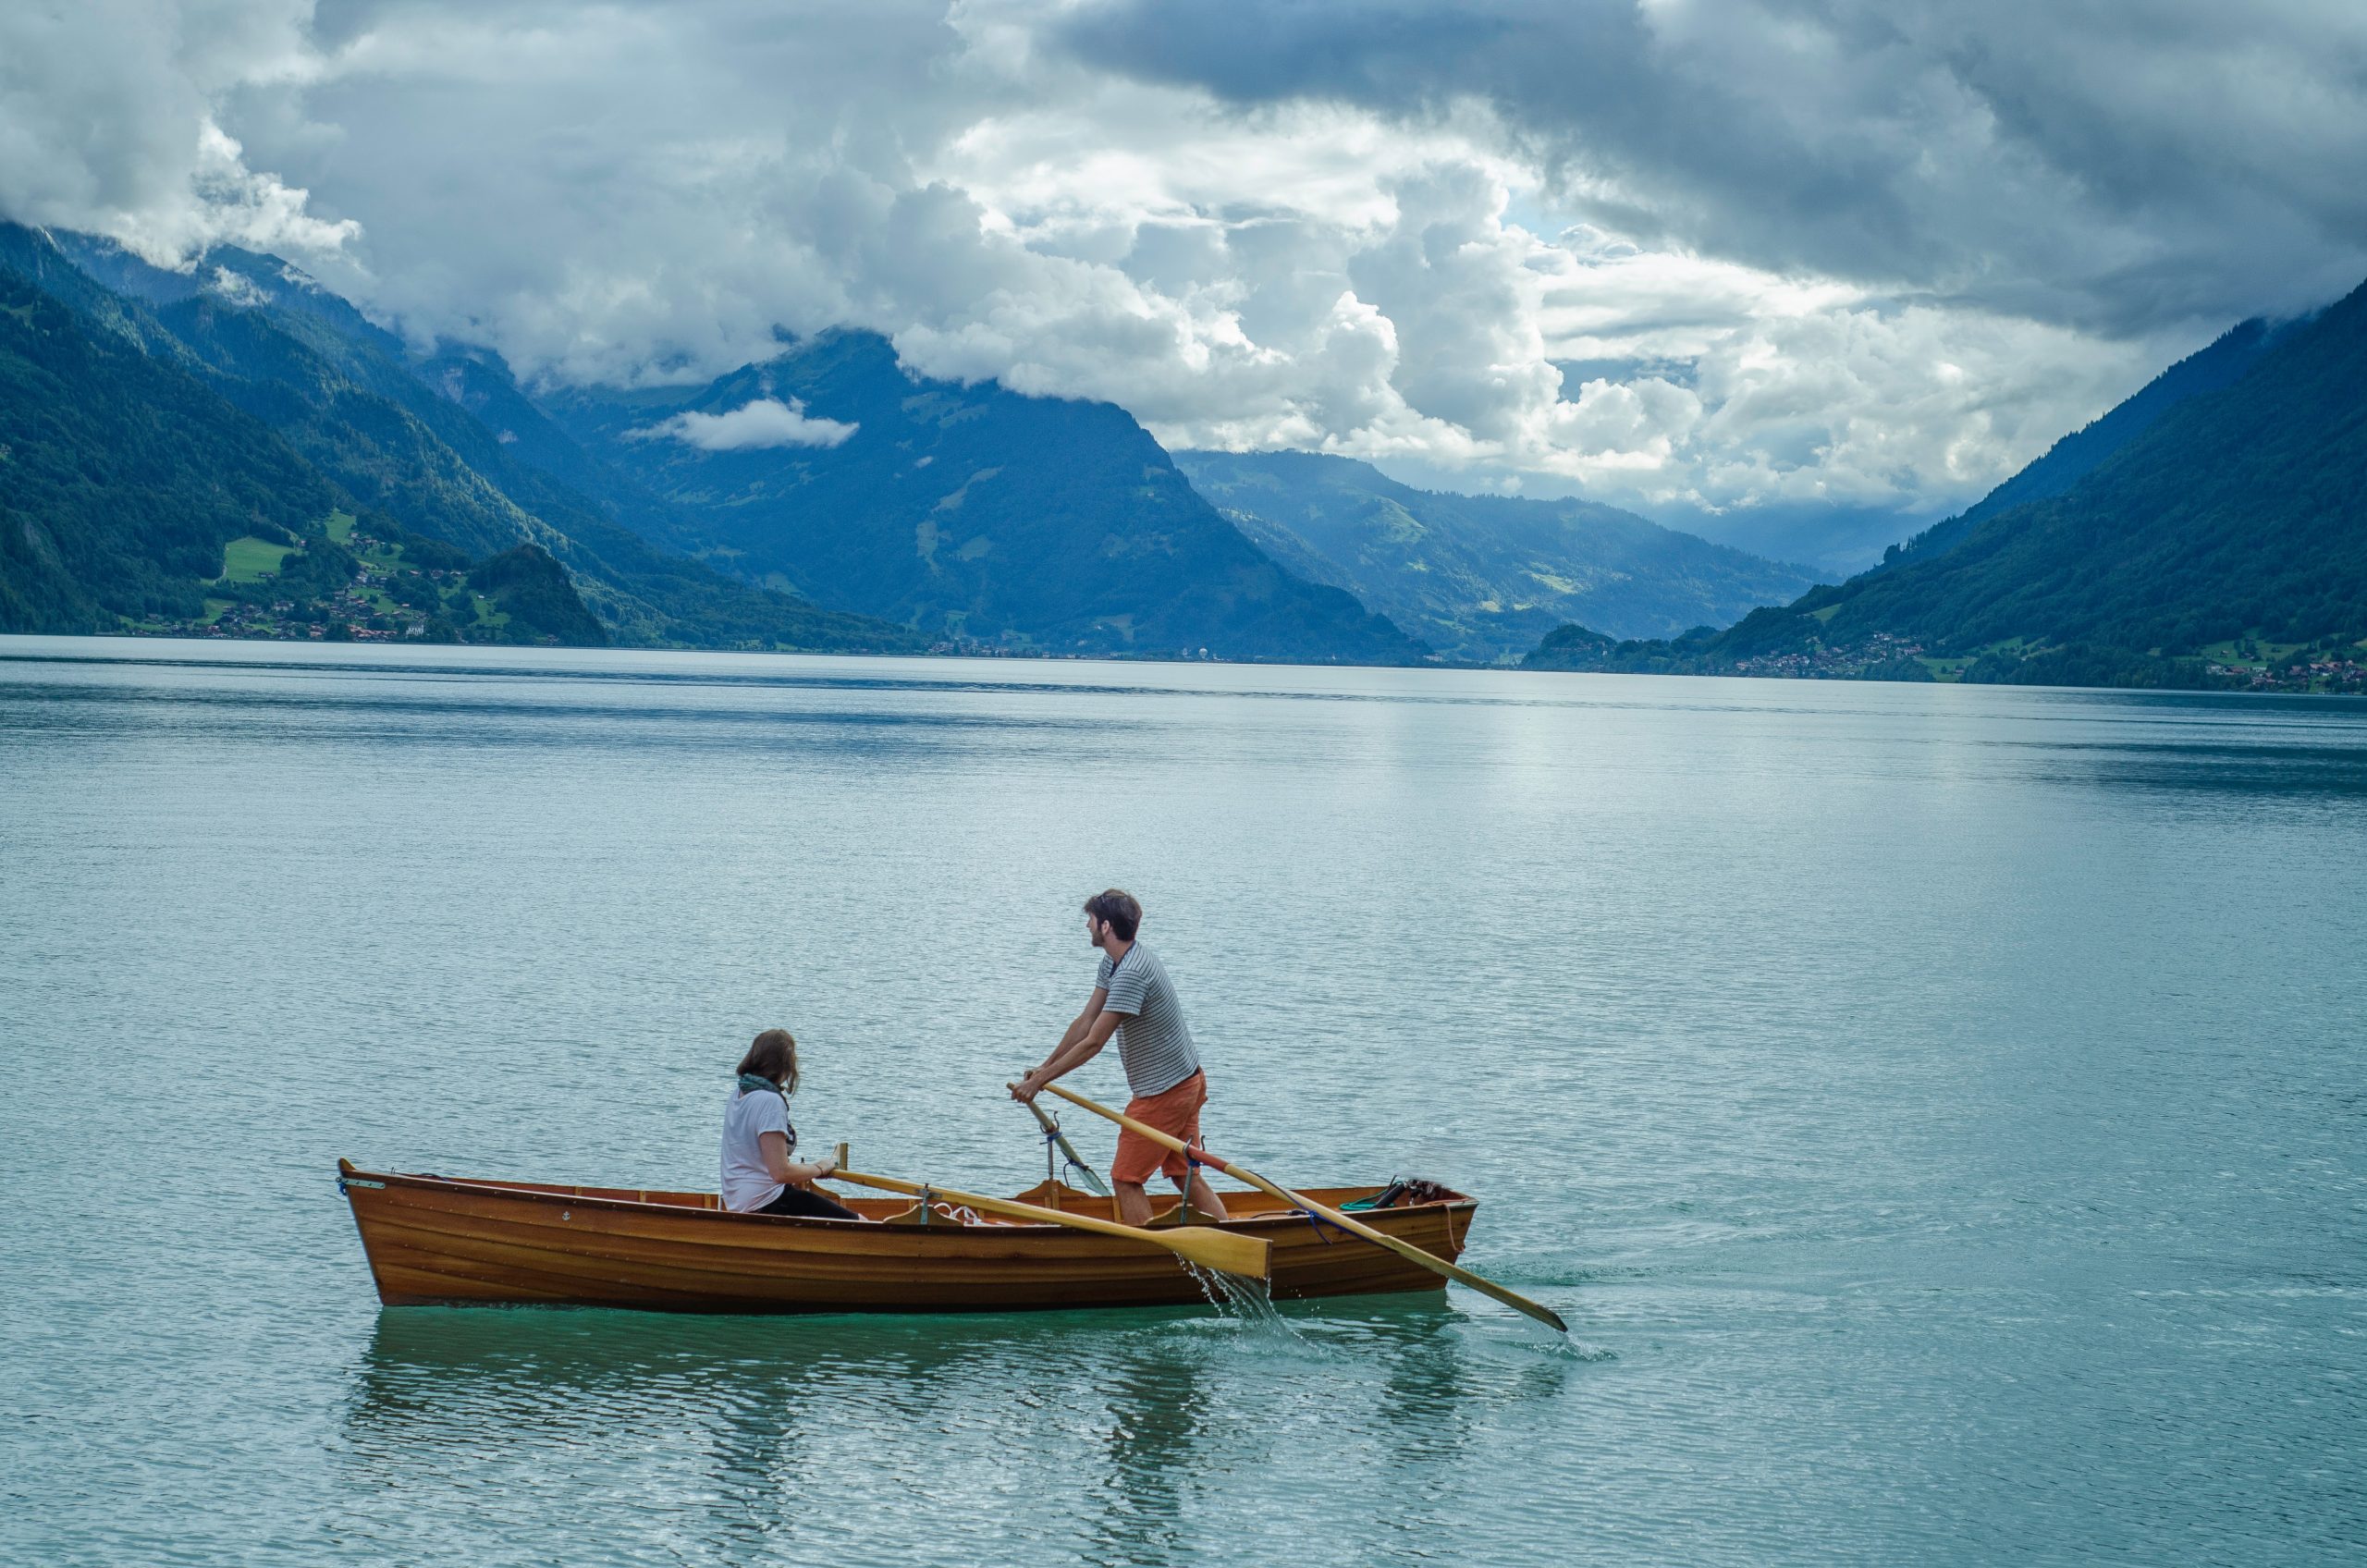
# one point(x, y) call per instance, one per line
point(966, 510)
point(1480, 577)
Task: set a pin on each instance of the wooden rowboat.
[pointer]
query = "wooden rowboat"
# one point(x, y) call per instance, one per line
point(434, 1241)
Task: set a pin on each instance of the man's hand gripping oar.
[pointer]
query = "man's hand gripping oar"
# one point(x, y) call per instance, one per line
point(1513, 1299)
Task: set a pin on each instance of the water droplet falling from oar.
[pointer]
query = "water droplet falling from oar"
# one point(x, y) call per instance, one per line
point(1462, 1276)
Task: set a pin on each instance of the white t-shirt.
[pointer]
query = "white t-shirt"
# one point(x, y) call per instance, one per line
point(747, 1116)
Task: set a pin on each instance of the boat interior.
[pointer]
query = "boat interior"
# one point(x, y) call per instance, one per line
point(1166, 1209)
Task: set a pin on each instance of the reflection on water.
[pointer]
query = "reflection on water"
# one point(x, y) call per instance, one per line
point(758, 1429)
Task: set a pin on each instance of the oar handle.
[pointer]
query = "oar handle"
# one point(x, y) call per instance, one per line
point(1406, 1250)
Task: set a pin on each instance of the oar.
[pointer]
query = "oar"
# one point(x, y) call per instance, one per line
point(1512, 1299)
point(1068, 1151)
point(1203, 1244)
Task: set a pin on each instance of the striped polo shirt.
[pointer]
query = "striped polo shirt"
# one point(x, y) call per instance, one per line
point(1154, 1044)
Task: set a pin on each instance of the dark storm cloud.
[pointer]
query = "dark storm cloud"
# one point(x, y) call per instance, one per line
point(1744, 256)
point(2114, 166)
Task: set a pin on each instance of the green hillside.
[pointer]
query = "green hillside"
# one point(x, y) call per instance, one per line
point(1097, 552)
point(970, 513)
point(133, 496)
point(123, 481)
point(343, 396)
point(379, 452)
point(2072, 458)
point(2224, 544)
point(1482, 577)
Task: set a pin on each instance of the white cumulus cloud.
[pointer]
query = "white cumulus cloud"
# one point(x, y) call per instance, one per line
point(763, 422)
point(1758, 254)
point(111, 121)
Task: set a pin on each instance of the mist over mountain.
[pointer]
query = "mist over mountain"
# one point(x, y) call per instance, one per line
point(276, 388)
point(1834, 540)
point(184, 444)
point(2078, 454)
point(722, 516)
point(1482, 577)
point(2210, 531)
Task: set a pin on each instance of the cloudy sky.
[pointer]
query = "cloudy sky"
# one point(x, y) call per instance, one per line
point(1662, 252)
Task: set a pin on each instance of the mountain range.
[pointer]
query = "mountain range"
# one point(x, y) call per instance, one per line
point(188, 448)
point(2210, 531)
point(1481, 578)
point(233, 450)
point(970, 513)
point(161, 428)
point(242, 402)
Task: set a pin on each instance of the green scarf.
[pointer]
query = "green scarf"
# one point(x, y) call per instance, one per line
point(750, 1084)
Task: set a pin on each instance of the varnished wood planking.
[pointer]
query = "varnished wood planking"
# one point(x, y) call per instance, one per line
point(435, 1239)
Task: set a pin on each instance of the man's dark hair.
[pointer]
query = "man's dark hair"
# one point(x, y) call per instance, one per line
point(1118, 908)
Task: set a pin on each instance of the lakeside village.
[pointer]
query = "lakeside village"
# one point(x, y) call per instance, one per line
point(351, 615)
point(360, 587)
point(2242, 664)
point(966, 649)
point(2315, 672)
point(355, 587)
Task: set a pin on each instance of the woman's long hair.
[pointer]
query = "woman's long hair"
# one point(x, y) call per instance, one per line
point(773, 1056)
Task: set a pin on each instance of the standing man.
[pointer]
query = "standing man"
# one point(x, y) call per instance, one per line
point(1134, 1000)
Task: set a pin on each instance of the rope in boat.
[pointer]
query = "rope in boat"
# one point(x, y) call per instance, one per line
point(959, 1213)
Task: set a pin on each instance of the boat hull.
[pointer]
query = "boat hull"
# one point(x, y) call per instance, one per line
point(434, 1240)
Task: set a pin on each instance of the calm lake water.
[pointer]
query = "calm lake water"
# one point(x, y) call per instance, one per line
point(1940, 1112)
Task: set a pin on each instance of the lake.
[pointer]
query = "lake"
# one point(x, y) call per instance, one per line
point(1939, 1111)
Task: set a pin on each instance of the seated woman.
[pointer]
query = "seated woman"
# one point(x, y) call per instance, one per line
point(758, 1175)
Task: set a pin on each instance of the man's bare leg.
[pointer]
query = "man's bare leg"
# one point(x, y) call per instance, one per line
point(1134, 1203)
point(1203, 1197)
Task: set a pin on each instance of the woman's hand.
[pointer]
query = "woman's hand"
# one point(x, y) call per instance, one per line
point(823, 1170)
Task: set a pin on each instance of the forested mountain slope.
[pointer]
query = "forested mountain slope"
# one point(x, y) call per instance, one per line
point(2080, 453)
point(958, 513)
point(134, 497)
point(1482, 577)
point(254, 333)
point(122, 479)
point(1033, 524)
point(2224, 543)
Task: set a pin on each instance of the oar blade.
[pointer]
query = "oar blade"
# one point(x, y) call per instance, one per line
point(1511, 1298)
point(1249, 1256)
point(1519, 1303)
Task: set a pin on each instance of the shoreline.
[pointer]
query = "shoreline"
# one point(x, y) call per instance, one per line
point(375, 653)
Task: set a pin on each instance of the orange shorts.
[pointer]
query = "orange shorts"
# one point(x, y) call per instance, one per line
point(1175, 1112)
